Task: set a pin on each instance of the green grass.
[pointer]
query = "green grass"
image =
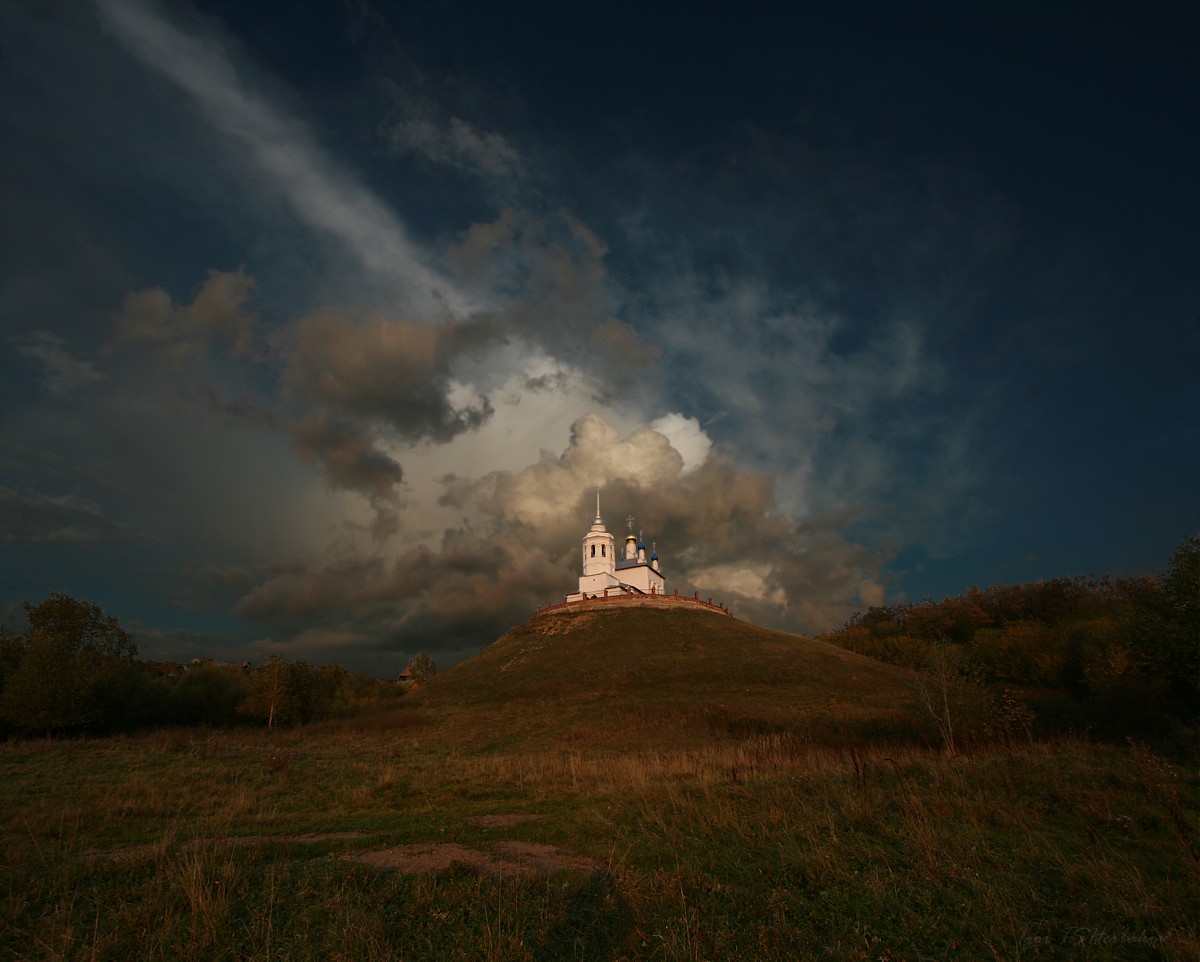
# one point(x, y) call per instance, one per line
point(659, 677)
point(758, 850)
point(744, 837)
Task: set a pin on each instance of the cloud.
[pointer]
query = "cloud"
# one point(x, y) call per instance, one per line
point(686, 437)
point(515, 546)
point(376, 367)
point(33, 518)
point(219, 315)
point(427, 417)
point(838, 418)
point(64, 373)
point(184, 644)
point(348, 388)
point(370, 382)
point(282, 151)
point(549, 285)
point(348, 454)
point(458, 144)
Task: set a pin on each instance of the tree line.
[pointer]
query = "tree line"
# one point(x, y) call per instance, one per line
point(1119, 656)
point(75, 670)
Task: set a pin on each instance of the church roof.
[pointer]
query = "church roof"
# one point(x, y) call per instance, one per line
point(631, 563)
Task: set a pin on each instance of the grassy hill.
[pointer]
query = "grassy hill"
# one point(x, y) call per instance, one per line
point(630, 677)
point(621, 784)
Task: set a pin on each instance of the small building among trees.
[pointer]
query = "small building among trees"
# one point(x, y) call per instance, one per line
point(419, 670)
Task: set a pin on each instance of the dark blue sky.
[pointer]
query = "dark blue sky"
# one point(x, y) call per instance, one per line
point(323, 320)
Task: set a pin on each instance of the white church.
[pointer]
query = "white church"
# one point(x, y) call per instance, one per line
point(607, 575)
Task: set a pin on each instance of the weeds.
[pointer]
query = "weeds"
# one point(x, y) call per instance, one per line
point(768, 848)
point(1161, 783)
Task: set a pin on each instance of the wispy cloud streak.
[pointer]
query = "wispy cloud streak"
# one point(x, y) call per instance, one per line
point(323, 196)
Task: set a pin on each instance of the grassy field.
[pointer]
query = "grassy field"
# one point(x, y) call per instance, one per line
point(677, 831)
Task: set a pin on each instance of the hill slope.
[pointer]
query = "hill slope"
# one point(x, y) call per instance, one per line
point(636, 676)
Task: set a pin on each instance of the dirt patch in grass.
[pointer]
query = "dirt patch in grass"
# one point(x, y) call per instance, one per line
point(149, 849)
point(506, 858)
point(502, 857)
point(535, 857)
point(501, 821)
point(307, 838)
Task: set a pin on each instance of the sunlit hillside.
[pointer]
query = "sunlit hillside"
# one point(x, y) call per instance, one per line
point(638, 676)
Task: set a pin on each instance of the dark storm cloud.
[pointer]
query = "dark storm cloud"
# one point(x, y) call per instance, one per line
point(439, 600)
point(184, 644)
point(374, 380)
point(392, 370)
point(28, 518)
point(348, 454)
point(342, 385)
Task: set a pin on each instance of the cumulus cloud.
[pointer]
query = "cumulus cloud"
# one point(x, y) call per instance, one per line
point(716, 525)
point(838, 418)
point(686, 437)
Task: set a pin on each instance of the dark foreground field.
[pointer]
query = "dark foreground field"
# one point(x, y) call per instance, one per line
point(734, 825)
point(371, 846)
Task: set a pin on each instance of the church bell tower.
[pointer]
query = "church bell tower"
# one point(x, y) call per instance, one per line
point(599, 548)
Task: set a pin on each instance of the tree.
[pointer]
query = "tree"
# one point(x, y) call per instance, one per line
point(12, 647)
point(1166, 629)
point(423, 668)
point(82, 623)
point(72, 656)
point(315, 690)
point(206, 695)
point(950, 694)
point(295, 694)
point(271, 693)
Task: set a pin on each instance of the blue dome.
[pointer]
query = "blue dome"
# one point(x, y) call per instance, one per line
point(641, 546)
point(654, 557)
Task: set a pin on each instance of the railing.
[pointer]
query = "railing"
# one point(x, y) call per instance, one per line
point(648, 601)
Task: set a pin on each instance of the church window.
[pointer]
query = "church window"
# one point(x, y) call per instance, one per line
point(602, 547)
point(593, 551)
